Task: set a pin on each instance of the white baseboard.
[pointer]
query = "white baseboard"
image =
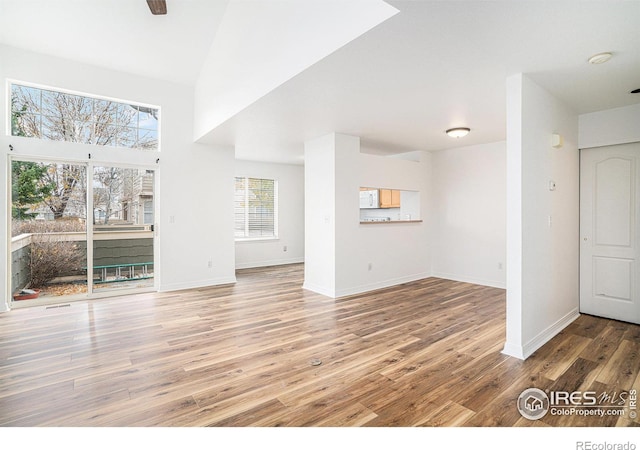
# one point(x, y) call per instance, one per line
point(513, 350)
point(548, 333)
point(364, 288)
point(465, 279)
point(196, 284)
point(526, 350)
point(381, 284)
point(271, 262)
point(319, 290)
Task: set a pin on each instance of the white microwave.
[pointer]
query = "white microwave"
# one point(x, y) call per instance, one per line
point(369, 199)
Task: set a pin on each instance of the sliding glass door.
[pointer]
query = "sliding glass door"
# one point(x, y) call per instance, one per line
point(123, 200)
point(48, 230)
point(79, 229)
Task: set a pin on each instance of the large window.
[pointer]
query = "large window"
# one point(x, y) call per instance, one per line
point(59, 116)
point(256, 206)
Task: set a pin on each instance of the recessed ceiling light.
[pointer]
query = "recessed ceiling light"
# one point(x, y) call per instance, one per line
point(600, 58)
point(635, 91)
point(458, 132)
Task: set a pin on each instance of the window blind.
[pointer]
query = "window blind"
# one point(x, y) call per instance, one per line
point(255, 208)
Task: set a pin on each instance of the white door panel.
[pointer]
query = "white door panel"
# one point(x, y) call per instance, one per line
point(613, 278)
point(609, 193)
point(613, 203)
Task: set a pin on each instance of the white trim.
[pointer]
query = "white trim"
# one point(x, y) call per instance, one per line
point(465, 279)
point(551, 331)
point(5, 303)
point(271, 262)
point(78, 153)
point(526, 350)
point(513, 350)
point(382, 284)
point(366, 287)
point(319, 290)
point(240, 240)
point(197, 284)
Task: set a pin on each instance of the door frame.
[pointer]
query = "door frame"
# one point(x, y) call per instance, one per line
point(135, 159)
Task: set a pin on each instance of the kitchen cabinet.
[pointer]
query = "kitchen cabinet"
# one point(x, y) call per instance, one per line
point(389, 198)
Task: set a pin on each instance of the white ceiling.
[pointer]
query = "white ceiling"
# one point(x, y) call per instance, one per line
point(441, 64)
point(432, 66)
point(119, 34)
point(286, 37)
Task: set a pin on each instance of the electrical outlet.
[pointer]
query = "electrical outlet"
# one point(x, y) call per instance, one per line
point(500, 266)
point(210, 264)
point(370, 266)
point(284, 248)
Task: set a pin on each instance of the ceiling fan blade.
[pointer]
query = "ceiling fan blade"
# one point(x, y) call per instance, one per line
point(157, 7)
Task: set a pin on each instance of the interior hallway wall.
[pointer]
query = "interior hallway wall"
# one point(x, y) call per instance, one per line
point(469, 214)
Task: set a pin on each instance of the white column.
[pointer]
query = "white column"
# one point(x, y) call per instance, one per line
point(513, 345)
point(542, 223)
point(329, 178)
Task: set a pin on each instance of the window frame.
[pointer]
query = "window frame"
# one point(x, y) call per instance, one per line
point(246, 238)
point(8, 125)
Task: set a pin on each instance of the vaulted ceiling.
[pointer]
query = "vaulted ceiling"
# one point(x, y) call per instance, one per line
point(397, 81)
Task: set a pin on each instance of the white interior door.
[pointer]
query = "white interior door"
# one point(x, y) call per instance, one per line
point(609, 221)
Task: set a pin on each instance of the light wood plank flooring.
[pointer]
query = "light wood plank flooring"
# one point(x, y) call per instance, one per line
point(426, 353)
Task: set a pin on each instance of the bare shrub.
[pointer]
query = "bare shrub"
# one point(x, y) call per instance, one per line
point(50, 226)
point(53, 258)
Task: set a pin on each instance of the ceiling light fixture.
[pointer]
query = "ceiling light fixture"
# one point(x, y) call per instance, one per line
point(600, 58)
point(458, 132)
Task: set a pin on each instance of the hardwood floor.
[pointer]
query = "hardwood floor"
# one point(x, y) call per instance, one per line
point(425, 353)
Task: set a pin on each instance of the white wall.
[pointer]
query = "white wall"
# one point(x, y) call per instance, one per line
point(610, 127)
point(196, 181)
point(396, 252)
point(542, 225)
point(271, 252)
point(468, 216)
point(363, 257)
